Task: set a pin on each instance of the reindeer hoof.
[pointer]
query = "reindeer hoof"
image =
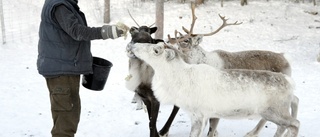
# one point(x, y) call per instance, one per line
point(139, 107)
point(140, 104)
point(212, 133)
point(165, 135)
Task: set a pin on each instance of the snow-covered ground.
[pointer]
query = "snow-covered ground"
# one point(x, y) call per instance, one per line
point(278, 26)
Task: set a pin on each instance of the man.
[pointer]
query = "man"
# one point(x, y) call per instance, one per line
point(64, 54)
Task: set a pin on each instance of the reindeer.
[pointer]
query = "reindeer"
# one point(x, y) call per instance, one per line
point(206, 92)
point(141, 35)
point(139, 79)
point(140, 76)
point(252, 59)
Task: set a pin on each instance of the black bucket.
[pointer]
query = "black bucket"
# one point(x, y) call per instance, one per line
point(98, 79)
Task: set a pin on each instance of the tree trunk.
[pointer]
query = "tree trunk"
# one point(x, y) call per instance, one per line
point(198, 2)
point(159, 18)
point(106, 18)
point(3, 32)
point(243, 2)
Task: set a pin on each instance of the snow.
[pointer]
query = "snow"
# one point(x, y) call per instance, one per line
point(279, 26)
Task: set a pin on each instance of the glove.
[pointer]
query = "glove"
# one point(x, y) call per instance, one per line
point(124, 28)
point(114, 31)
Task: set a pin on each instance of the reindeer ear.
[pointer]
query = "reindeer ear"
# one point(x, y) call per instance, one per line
point(197, 40)
point(153, 30)
point(170, 54)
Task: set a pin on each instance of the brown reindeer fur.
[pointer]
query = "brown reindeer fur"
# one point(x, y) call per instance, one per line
point(255, 60)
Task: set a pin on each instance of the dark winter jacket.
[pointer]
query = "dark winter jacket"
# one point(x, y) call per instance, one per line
point(64, 39)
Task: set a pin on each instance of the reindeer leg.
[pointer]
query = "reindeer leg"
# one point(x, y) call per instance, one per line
point(284, 120)
point(254, 132)
point(294, 110)
point(165, 129)
point(153, 109)
point(153, 106)
point(198, 123)
point(136, 99)
point(213, 127)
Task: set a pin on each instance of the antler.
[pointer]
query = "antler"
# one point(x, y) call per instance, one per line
point(189, 32)
point(151, 25)
point(176, 39)
point(136, 21)
point(194, 18)
point(133, 19)
point(224, 24)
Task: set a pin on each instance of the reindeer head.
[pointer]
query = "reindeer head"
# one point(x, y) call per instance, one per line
point(151, 53)
point(141, 34)
point(147, 29)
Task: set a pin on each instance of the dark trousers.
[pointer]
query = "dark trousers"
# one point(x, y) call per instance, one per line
point(65, 104)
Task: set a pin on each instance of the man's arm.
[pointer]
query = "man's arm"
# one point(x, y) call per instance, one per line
point(71, 25)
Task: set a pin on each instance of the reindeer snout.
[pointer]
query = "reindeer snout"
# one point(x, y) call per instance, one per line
point(129, 48)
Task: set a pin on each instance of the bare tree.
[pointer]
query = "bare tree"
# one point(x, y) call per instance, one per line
point(243, 2)
point(2, 24)
point(198, 2)
point(106, 18)
point(159, 18)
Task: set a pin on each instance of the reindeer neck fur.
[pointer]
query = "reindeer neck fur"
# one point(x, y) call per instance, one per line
point(139, 73)
point(197, 55)
point(180, 70)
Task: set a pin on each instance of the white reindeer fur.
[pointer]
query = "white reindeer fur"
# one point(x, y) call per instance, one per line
point(140, 72)
point(205, 91)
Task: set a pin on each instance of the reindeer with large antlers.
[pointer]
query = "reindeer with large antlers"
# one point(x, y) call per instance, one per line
point(252, 59)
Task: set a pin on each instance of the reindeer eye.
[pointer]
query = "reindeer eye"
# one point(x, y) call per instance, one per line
point(157, 50)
